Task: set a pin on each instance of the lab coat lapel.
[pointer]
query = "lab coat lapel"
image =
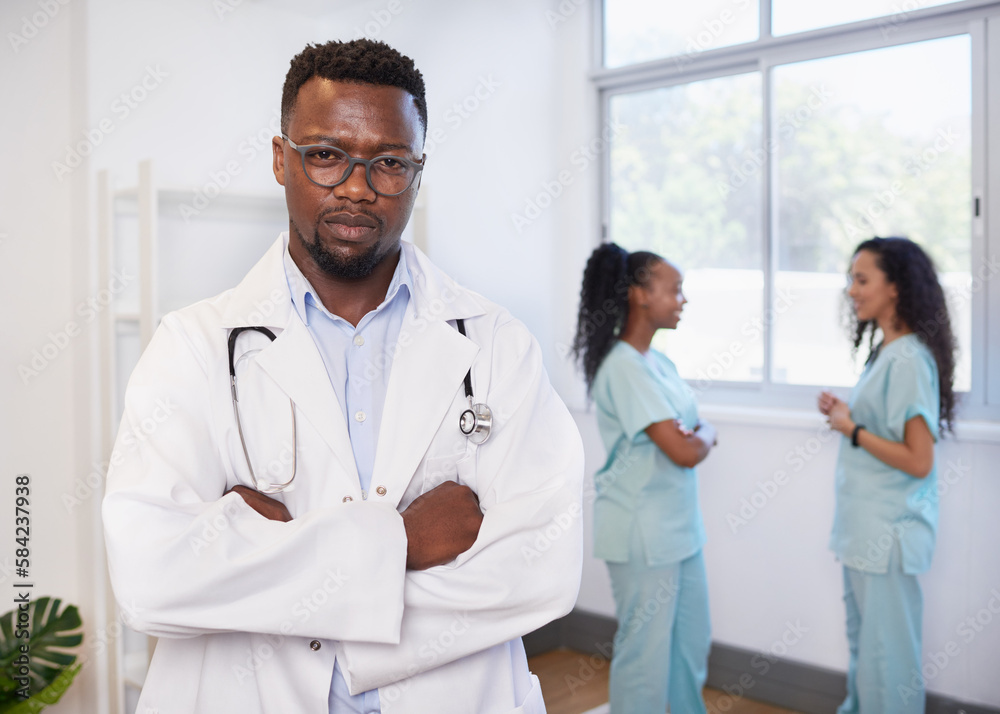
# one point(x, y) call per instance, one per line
point(425, 376)
point(295, 364)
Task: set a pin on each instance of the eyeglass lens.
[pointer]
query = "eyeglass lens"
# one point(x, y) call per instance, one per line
point(329, 166)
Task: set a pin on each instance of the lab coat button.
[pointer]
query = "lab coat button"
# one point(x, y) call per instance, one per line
point(360, 416)
point(315, 645)
point(359, 340)
point(380, 490)
point(347, 499)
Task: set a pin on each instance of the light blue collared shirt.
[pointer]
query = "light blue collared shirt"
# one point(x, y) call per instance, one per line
point(358, 361)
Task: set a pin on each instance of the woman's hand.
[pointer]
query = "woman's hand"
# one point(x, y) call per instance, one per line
point(685, 447)
point(837, 412)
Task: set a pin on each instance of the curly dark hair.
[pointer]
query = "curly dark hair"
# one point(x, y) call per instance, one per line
point(920, 306)
point(604, 302)
point(362, 61)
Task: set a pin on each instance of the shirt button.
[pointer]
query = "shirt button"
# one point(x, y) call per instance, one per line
point(347, 499)
point(359, 340)
point(364, 495)
point(315, 645)
point(380, 490)
point(360, 416)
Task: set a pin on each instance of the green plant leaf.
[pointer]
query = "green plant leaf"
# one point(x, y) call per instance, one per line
point(50, 695)
point(50, 633)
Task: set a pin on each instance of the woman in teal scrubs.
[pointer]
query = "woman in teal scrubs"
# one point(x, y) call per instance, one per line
point(886, 481)
point(647, 523)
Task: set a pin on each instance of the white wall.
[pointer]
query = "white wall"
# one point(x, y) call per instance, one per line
point(213, 82)
point(44, 259)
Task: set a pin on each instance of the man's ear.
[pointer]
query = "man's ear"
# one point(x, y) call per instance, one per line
point(278, 152)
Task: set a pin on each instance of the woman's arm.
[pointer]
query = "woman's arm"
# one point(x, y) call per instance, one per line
point(684, 447)
point(913, 455)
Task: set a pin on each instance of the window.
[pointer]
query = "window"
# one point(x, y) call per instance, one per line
point(759, 160)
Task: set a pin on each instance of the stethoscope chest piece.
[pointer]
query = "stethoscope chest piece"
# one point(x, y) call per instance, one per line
point(476, 422)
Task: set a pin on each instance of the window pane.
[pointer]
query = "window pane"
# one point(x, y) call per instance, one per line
point(873, 143)
point(644, 30)
point(686, 183)
point(788, 16)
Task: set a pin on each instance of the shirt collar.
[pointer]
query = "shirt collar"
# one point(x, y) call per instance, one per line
point(302, 290)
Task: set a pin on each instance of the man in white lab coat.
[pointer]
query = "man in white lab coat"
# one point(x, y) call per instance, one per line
point(365, 555)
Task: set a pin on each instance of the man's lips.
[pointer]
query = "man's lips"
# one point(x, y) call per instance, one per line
point(352, 220)
point(350, 226)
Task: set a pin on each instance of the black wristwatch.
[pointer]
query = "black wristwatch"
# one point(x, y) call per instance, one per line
point(854, 434)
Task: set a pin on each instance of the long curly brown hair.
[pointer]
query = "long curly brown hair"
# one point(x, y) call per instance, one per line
point(921, 306)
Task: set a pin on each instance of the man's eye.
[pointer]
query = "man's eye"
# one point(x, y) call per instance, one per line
point(324, 155)
point(390, 163)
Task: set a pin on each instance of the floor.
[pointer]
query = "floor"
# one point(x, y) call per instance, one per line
point(575, 683)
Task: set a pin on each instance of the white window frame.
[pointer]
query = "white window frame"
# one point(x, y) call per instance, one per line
point(977, 18)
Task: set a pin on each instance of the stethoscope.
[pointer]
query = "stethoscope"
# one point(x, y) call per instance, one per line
point(476, 422)
point(268, 487)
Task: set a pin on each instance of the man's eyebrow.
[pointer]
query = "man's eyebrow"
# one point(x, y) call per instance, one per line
point(334, 141)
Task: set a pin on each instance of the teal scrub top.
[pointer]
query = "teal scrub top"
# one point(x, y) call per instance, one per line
point(877, 505)
point(639, 486)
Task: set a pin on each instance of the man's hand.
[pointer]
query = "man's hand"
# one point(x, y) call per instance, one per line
point(264, 505)
point(441, 524)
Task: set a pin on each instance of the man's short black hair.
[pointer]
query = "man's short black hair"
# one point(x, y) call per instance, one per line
point(363, 61)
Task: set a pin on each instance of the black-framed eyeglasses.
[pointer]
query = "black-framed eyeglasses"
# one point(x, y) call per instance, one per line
point(329, 166)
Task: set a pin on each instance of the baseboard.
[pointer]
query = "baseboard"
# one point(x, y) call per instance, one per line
point(737, 672)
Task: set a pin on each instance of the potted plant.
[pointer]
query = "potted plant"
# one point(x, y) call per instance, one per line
point(35, 666)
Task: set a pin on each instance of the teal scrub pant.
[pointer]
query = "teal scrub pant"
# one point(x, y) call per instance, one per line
point(884, 614)
point(661, 647)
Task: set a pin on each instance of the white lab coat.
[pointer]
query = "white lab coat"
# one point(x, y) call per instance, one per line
point(250, 612)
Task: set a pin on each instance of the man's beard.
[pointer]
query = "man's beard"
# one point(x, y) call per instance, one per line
point(336, 266)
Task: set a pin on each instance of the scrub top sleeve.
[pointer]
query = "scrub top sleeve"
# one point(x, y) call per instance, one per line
point(637, 397)
point(912, 390)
